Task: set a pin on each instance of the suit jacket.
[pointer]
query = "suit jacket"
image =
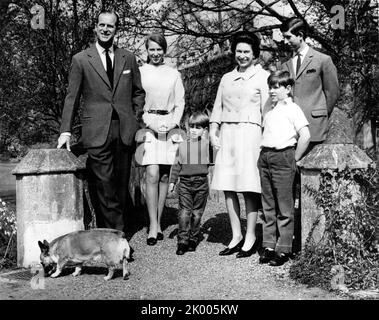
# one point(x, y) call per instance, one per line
point(316, 90)
point(89, 79)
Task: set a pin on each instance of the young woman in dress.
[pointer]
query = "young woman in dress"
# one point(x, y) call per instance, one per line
point(163, 110)
point(235, 131)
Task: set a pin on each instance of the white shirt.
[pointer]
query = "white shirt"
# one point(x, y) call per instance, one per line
point(282, 124)
point(101, 52)
point(302, 54)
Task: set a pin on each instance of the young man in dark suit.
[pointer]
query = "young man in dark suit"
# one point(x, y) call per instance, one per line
point(316, 88)
point(316, 91)
point(108, 80)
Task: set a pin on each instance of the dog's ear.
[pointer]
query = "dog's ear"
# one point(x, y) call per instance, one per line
point(40, 244)
point(44, 246)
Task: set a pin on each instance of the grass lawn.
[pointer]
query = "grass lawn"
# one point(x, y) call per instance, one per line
point(7, 182)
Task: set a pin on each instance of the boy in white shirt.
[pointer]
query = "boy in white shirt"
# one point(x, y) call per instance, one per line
point(285, 138)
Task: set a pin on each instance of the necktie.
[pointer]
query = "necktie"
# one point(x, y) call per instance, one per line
point(298, 63)
point(109, 67)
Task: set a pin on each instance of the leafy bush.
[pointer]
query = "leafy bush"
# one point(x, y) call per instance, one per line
point(16, 149)
point(8, 249)
point(350, 202)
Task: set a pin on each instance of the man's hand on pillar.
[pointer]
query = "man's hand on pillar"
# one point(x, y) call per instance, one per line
point(64, 139)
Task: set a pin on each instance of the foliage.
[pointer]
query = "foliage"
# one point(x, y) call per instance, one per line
point(7, 235)
point(16, 149)
point(7, 221)
point(356, 50)
point(350, 202)
point(197, 25)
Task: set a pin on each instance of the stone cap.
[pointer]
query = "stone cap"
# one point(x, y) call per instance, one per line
point(336, 156)
point(42, 161)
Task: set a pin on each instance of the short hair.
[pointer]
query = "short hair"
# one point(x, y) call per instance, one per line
point(281, 78)
point(246, 37)
point(157, 38)
point(117, 24)
point(295, 26)
point(199, 118)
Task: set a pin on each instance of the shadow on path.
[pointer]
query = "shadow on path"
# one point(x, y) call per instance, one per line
point(219, 230)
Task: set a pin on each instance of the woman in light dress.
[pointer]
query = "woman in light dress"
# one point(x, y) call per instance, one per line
point(163, 110)
point(235, 131)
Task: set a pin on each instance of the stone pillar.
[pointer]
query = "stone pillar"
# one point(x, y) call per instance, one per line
point(49, 199)
point(336, 153)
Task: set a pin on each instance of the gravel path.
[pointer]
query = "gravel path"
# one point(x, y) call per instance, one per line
point(158, 273)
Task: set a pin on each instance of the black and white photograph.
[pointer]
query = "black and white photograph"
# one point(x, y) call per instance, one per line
point(189, 157)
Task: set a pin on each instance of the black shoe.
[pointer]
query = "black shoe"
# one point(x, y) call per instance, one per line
point(279, 260)
point(228, 251)
point(151, 241)
point(192, 246)
point(267, 256)
point(248, 253)
point(160, 236)
point(182, 249)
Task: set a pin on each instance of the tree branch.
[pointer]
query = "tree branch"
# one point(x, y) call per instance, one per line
point(295, 10)
point(268, 8)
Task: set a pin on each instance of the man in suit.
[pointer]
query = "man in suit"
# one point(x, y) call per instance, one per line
point(316, 87)
point(316, 91)
point(109, 82)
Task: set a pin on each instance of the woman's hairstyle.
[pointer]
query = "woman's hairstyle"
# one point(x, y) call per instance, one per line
point(199, 119)
point(295, 26)
point(157, 38)
point(280, 78)
point(246, 37)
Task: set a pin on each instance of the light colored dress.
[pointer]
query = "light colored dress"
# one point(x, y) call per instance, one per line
point(240, 103)
point(164, 91)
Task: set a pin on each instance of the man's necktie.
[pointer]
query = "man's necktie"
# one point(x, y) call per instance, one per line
point(109, 67)
point(298, 63)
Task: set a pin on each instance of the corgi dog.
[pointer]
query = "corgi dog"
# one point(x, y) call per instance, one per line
point(108, 246)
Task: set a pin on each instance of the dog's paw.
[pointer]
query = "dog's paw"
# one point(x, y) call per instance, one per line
point(77, 272)
point(55, 274)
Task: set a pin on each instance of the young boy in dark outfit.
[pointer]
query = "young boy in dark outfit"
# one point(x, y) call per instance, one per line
point(191, 167)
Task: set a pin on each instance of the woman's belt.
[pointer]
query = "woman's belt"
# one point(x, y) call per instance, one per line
point(160, 112)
